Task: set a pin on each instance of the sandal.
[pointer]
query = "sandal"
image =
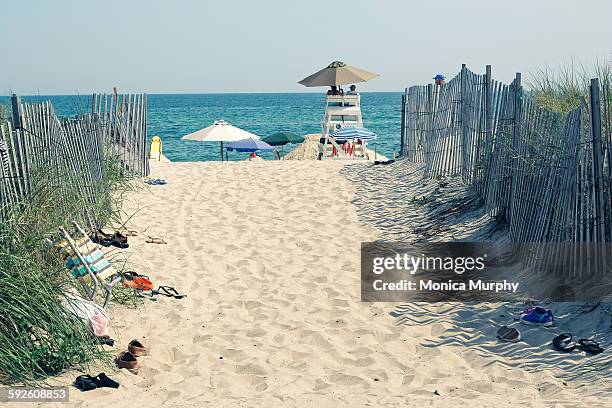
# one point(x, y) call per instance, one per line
point(119, 240)
point(138, 349)
point(509, 334)
point(101, 238)
point(563, 342)
point(153, 240)
point(129, 233)
point(169, 291)
point(590, 346)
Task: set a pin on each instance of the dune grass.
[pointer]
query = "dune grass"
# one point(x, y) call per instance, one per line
point(37, 337)
point(564, 88)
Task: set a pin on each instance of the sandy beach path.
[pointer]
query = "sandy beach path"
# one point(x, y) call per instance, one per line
point(268, 254)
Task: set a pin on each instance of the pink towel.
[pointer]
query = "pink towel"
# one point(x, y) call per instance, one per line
point(99, 324)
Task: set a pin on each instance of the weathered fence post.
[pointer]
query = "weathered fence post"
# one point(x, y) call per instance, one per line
point(517, 96)
point(16, 105)
point(403, 131)
point(463, 120)
point(488, 153)
point(597, 172)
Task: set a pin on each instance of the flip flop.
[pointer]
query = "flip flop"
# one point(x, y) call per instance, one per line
point(154, 240)
point(138, 349)
point(509, 334)
point(563, 342)
point(169, 291)
point(590, 346)
point(135, 281)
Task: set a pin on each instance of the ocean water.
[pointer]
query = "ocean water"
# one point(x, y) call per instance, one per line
point(173, 116)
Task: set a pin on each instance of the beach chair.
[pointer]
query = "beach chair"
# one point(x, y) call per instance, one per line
point(89, 265)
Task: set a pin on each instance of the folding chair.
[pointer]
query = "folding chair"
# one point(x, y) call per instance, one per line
point(89, 265)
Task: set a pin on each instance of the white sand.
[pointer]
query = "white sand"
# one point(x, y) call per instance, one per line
point(268, 253)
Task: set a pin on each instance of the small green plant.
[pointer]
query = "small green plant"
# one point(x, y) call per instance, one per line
point(420, 201)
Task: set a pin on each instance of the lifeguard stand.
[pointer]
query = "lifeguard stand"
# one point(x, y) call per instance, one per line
point(340, 111)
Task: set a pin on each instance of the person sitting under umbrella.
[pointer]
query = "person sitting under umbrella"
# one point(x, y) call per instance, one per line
point(352, 90)
point(333, 90)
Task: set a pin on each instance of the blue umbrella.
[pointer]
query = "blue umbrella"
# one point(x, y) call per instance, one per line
point(352, 132)
point(249, 145)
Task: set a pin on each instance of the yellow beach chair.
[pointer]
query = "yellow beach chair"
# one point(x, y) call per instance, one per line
point(88, 264)
point(156, 152)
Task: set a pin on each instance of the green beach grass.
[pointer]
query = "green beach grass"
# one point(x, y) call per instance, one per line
point(37, 337)
point(562, 89)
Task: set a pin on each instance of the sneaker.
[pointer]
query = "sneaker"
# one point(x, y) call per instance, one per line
point(538, 316)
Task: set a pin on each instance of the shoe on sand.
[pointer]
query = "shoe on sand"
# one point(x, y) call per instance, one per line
point(85, 383)
point(509, 334)
point(563, 342)
point(590, 346)
point(102, 380)
point(119, 240)
point(538, 316)
point(128, 361)
point(138, 349)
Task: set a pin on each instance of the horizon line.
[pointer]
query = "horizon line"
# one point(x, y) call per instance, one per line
point(176, 93)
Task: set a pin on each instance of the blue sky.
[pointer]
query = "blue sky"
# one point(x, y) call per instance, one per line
point(66, 47)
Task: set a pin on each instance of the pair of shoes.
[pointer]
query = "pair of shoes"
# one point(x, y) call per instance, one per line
point(538, 315)
point(117, 239)
point(127, 359)
point(563, 342)
point(88, 383)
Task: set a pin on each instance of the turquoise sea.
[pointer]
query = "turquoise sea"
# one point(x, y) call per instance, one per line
point(173, 116)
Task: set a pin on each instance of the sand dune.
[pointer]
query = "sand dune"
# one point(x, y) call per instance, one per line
point(268, 253)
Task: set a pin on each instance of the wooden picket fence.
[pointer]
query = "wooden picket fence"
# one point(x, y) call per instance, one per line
point(72, 155)
point(548, 175)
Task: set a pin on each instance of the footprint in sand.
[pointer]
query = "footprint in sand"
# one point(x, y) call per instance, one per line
point(345, 379)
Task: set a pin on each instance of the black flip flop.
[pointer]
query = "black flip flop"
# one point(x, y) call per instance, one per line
point(563, 342)
point(169, 291)
point(85, 383)
point(590, 346)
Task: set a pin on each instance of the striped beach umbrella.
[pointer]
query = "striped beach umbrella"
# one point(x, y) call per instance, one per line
point(352, 132)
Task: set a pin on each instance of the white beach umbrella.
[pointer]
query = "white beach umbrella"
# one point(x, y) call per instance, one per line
point(220, 131)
